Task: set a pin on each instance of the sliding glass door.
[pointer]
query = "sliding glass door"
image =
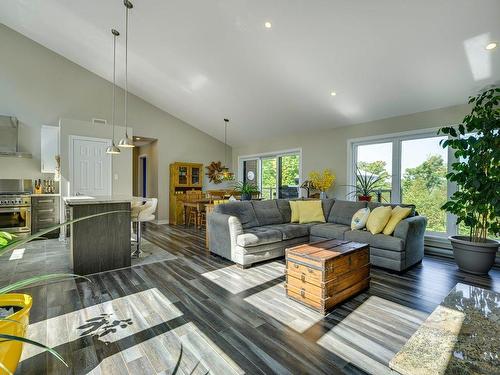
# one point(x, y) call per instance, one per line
point(276, 175)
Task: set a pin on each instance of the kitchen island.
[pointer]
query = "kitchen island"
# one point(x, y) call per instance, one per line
point(101, 243)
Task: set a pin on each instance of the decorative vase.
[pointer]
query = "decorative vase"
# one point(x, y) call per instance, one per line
point(364, 198)
point(10, 351)
point(322, 195)
point(474, 257)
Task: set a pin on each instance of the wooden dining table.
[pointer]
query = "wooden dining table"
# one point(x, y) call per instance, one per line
point(198, 205)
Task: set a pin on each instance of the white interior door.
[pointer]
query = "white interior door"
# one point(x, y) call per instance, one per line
point(90, 166)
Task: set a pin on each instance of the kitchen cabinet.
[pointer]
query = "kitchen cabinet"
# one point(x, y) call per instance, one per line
point(49, 148)
point(45, 213)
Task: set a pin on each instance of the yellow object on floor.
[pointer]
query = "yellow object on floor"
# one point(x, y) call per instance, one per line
point(10, 351)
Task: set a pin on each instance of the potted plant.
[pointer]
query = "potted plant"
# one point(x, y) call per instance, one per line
point(367, 184)
point(322, 181)
point(476, 203)
point(15, 307)
point(245, 190)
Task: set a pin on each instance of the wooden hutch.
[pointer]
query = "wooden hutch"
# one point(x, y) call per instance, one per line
point(183, 177)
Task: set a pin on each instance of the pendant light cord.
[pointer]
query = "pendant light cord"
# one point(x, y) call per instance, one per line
point(126, 69)
point(114, 84)
point(225, 143)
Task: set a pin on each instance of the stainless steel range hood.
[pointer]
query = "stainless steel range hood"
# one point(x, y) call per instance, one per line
point(9, 138)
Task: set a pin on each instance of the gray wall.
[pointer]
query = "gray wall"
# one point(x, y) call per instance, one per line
point(328, 148)
point(40, 87)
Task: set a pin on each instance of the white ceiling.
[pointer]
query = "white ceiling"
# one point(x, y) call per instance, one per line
point(203, 60)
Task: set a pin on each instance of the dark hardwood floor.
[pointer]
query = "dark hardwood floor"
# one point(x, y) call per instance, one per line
point(198, 313)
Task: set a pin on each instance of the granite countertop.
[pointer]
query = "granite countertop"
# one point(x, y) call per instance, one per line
point(461, 336)
point(83, 200)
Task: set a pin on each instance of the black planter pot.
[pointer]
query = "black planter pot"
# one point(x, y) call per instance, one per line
point(474, 257)
point(246, 197)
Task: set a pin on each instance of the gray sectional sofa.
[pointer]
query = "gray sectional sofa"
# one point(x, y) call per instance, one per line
point(248, 232)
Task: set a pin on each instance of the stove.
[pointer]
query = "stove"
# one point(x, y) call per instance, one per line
point(15, 208)
point(15, 200)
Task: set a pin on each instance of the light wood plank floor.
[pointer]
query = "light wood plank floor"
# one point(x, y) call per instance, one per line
point(198, 313)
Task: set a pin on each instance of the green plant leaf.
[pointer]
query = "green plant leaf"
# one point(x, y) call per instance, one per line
point(35, 343)
point(32, 280)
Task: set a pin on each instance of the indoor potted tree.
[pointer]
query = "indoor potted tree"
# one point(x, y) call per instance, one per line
point(367, 184)
point(476, 203)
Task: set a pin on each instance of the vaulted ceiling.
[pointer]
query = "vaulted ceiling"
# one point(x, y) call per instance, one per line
point(203, 60)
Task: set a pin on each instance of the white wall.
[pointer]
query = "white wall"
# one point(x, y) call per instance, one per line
point(328, 148)
point(39, 87)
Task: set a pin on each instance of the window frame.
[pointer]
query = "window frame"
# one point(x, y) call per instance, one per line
point(396, 139)
point(267, 155)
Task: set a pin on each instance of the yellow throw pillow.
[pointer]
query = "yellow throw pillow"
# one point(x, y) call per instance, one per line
point(310, 211)
point(295, 212)
point(398, 214)
point(378, 219)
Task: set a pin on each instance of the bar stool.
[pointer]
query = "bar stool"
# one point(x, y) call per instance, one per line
point(142, 213)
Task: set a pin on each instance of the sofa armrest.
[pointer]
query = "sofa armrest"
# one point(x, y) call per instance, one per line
point(411, 226)
point(412, 231)
point(222, 232)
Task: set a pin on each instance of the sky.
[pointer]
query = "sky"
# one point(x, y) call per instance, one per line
point(413, 152)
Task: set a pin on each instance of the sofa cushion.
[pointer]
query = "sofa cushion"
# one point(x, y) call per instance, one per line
point(380, 241)
point(327, 206)
point(242, 210)
point(343, 211)
point(398, 213)
point(290, 230)
point(310, 211)
point(373, 205)
point(284, 207)
point(267, 212)
point(329, 230)
point(378, 219)
point(258, 236)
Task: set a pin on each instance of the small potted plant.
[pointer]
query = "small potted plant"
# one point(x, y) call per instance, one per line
point(367, 184)
point(245, 190)
point(322, 181)
point(476, 203)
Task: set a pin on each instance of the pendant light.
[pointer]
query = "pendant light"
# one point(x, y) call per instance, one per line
point(226, 175)
point(127, 141)
point(113, 149)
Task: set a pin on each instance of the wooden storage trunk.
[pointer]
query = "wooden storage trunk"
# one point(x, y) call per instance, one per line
point(323, 274)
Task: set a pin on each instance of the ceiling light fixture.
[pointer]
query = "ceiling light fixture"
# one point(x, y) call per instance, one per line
point(333, 93)
point(491, 45)
point(268, 25)
point(127, 141)
point(113, 150)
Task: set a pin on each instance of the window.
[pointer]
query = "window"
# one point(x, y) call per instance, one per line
point(276, 174)
point(413, 169)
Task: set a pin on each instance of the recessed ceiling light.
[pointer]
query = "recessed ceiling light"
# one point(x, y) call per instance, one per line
point(138, 138)
point(491, 46)
point(268, 25)
point(333, 93)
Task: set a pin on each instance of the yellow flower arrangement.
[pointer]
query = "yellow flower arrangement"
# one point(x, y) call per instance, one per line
point(322, 180)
